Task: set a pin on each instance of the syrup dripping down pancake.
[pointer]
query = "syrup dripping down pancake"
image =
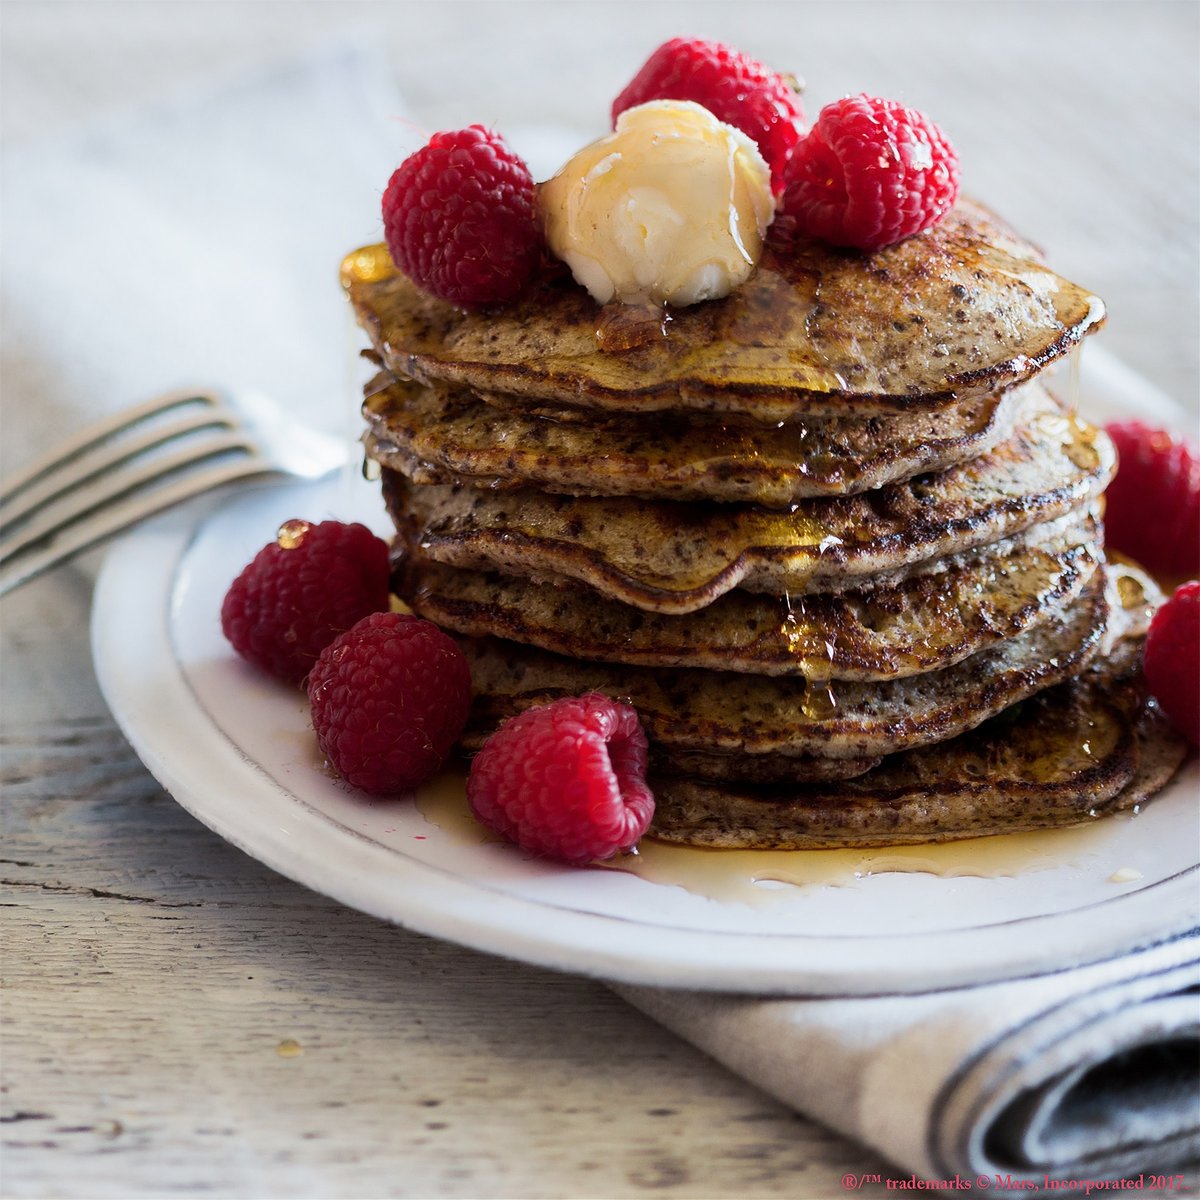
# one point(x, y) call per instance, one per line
point(673, 557)
point(690, 709)
point(964, 309)
point(437, 434)
point(1088, 747)
point(922, 623)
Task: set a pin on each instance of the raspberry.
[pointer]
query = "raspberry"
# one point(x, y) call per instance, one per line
point(389, 699)
point(870, 172)
point(566, 780)
point(734, 88)
point(1152, 507)
point(301, 591)
point(461, 219)
point(1171, 659)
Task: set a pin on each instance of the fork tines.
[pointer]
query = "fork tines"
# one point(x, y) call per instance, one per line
point(108, 477)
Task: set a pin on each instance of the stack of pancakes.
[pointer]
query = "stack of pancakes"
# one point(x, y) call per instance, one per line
point(830, 535)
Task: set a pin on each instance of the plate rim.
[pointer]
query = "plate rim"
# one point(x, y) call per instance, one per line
point(138, 586)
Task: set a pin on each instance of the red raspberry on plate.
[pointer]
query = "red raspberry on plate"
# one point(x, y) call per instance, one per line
point(566, 780)
point(461, 220)
point(302, 590)
point(734, 88)
point(1171, 659)
point(1152, 507)
point(389, 700)
point(870, 173)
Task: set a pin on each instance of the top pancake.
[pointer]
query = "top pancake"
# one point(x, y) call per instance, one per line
point(961, 310)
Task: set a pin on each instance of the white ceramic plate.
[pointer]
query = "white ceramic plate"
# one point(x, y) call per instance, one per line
point(235, 749)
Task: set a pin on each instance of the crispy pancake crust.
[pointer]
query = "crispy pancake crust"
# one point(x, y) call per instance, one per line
point(962, 310)
point(670, 557)
point(438, 434)
point(920, 624)
point(1087, 747)
point(688, 709)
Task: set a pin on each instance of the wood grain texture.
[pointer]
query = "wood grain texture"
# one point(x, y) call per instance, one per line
point(154, 977)
point(152, 973)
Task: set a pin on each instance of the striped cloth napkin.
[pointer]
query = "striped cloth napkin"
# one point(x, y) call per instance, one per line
point(1085, 1075)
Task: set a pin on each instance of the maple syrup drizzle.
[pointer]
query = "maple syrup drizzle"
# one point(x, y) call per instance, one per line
point(1073, 379)
point(292, 533)
point(761, 877)
point(622, 327)
point(760, 316)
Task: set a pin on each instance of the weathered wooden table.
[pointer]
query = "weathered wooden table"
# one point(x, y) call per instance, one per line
point(178, 1020)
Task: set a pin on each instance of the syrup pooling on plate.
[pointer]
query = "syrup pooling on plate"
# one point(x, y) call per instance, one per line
point(760, 877)
point(443, 803)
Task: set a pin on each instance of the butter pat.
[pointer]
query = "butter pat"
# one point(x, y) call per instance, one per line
point(670, 208)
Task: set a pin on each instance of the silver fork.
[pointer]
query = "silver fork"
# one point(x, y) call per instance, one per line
point(142, 461)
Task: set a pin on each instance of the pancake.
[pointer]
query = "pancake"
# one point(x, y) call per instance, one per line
point(671, 557)
point(439, 434)
point(756, 768)
point(964, 309)
point(920, 624)
point(690, 709)
point(1087, 747)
